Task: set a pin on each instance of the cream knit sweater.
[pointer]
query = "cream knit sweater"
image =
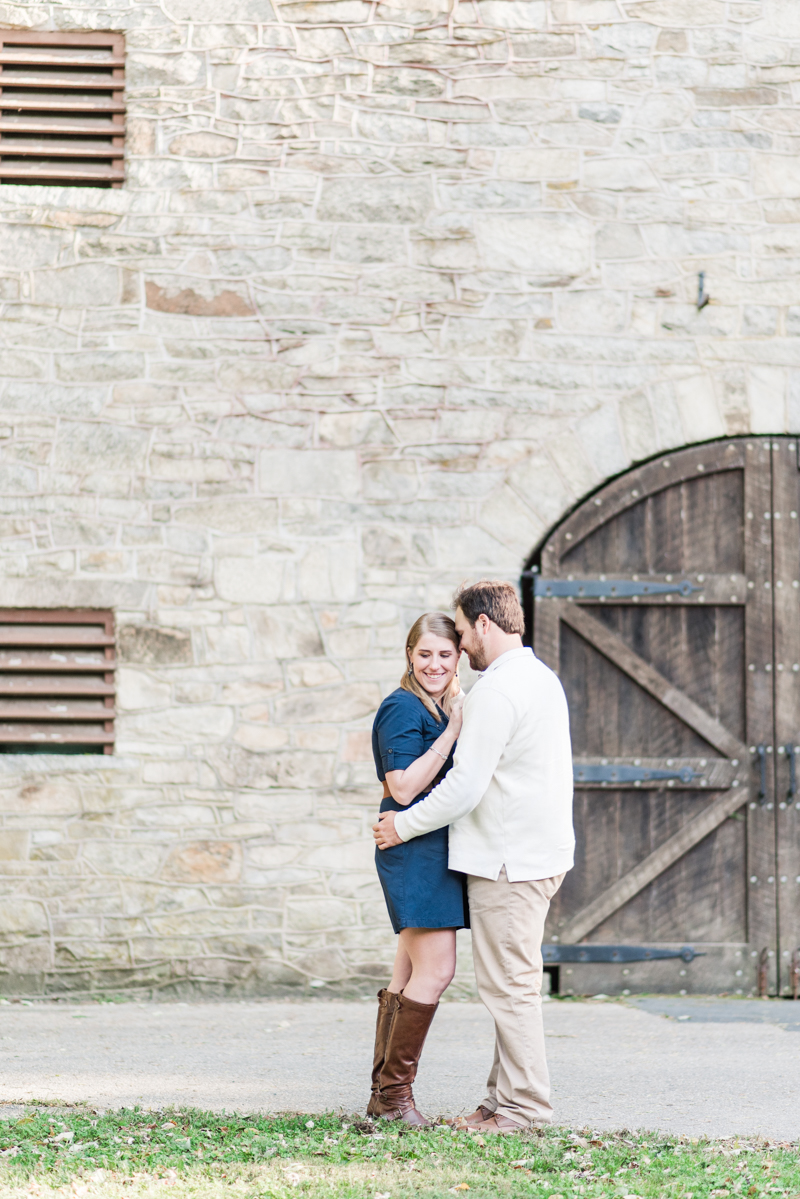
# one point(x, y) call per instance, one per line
point(508, 798)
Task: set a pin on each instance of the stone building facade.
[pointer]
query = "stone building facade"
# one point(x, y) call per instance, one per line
point(389, 287)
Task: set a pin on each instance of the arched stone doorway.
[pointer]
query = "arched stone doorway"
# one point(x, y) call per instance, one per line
point(668, 602)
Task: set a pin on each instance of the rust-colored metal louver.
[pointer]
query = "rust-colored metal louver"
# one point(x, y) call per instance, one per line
point(56, 680)
point(62, 109)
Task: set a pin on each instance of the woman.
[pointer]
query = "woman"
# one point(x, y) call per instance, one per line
point(413, 739)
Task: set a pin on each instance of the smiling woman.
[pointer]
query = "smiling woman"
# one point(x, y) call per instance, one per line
point(413, 739)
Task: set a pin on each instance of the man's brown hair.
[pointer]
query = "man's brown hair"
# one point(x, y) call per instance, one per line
point(494, 599)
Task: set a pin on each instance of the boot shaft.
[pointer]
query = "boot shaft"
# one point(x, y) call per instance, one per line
point(409, 1028)
point(387, 1002)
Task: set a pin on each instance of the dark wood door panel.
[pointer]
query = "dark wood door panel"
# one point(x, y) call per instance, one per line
point(611, 716)
point(671, 697)
point(701, 897)
point(699, 649)
point(693, 526)
point(652, 478)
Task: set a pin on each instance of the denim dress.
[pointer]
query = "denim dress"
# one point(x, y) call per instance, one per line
point(420, 890)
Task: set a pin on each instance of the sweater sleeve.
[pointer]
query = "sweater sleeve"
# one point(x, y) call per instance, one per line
point(488, 724)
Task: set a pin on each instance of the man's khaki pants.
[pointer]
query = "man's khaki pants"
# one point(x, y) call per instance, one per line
point(507, 926)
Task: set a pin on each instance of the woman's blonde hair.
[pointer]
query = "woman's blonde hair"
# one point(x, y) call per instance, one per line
point(441, 626)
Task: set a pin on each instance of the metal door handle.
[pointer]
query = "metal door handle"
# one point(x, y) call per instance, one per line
point(761, 750)
point(792, 792)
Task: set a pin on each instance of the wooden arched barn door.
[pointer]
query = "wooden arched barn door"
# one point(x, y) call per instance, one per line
point(668, 603)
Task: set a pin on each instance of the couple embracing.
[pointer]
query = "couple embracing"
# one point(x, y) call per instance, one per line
point(475, 831)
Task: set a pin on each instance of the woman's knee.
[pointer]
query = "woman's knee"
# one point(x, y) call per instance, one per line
point(439, 976)
point(448, 975)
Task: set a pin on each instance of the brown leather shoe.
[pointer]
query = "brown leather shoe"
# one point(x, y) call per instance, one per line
point(409, 1028)
point(499, 1124)
point(387, 1003)
point(477, 1117)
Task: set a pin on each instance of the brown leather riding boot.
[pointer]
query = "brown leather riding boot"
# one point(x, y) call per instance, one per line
point(387, 1002)
point(395, 1098)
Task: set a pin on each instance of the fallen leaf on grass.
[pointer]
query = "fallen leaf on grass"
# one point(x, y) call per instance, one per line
point(462, 1186)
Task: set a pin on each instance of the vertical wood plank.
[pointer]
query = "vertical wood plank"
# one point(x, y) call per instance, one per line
point(786, 577)
point(546, 621)
point(761, 886)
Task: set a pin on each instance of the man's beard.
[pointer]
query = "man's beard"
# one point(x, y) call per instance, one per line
point(477, 658)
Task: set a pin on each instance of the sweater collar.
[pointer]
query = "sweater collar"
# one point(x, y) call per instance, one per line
point(509, 656)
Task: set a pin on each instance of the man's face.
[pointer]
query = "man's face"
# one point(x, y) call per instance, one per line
point(471, 640)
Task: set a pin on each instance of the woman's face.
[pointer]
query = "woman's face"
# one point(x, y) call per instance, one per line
point(434, 660)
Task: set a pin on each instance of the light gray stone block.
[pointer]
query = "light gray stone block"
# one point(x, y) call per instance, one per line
point(398, 201)
point(331, 473)
point(550, 244)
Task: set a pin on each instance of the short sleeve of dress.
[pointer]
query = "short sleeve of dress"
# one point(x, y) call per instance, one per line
point(398, 733)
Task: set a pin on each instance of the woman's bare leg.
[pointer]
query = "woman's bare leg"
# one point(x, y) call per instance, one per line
point(401, 971)
point(425, 964)
point(431, 953)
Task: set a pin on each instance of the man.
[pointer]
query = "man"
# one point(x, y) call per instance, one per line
point(508, 800)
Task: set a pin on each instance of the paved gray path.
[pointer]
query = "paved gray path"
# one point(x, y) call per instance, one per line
point(613, 1065)
point(711, 1010)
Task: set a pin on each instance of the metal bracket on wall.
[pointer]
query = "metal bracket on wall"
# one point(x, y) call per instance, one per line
point(703, 298)
point(603, 588)
point(615, 953)
point(602, 774)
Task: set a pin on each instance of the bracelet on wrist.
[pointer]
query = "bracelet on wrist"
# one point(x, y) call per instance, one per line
point(442, 756)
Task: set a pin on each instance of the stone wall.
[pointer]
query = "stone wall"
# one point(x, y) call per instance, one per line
point(389, 287)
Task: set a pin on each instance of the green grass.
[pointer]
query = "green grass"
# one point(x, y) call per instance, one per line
point(196, 1155)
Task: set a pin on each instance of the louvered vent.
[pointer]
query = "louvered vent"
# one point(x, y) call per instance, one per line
point(62, 111)
point(56, 681)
